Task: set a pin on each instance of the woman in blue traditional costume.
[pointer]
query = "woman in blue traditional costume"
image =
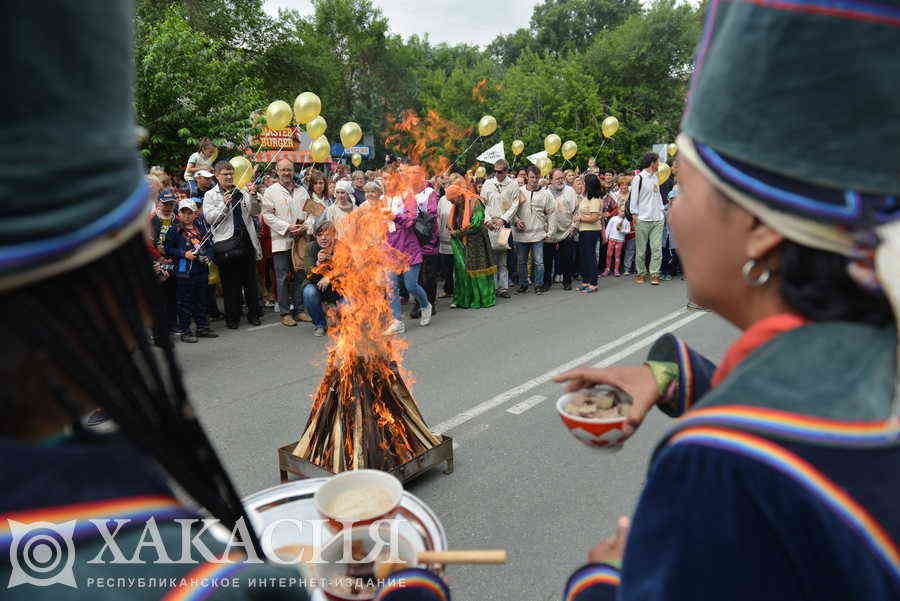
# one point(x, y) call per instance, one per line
point(781, 477)
point(78, 296)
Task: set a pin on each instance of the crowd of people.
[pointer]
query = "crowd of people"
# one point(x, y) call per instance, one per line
point(468, 238)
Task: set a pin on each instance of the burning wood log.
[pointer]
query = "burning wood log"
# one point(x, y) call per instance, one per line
point(372, 422)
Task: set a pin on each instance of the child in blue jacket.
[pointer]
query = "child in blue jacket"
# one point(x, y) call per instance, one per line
point(187, 245)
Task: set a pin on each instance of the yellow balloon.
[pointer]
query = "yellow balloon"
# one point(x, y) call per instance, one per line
point(610, 126)
point(546, 166)
point(569, 149)
point(307, 107)
point(320, 149)
point(243, 171)
point(672, 149)
point(316, 128)
point(351, 134)
point(518, 146)
point(552, 144)
point(663, 173)
point(487, 125)
point(278, 115)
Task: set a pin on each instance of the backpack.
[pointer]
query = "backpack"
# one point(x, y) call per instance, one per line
point(425, 227)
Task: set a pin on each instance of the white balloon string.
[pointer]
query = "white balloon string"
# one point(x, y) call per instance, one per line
point(462, 154)
point(601, 148)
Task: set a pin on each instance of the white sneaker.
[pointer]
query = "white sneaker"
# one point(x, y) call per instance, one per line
point(426, 315)
point(396, 327)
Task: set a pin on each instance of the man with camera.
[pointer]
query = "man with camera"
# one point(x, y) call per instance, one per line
point(229, 212)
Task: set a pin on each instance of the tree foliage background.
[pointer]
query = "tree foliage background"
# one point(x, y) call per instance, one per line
point(203, 66)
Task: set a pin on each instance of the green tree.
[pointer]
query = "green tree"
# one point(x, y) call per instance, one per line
point(204, 65)
point(644, 65)
point(236, 22)
point(560, 25)
point(191, 86)
point(506, 49)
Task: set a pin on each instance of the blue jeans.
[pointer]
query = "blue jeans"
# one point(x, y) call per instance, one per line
point(411, 281)
point(190, 295)
point(537, 254)
point(312, 299)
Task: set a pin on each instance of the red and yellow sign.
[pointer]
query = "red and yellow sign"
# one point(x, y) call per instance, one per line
point(277, 138)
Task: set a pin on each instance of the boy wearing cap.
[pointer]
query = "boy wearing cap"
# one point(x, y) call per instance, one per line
point(187, 246)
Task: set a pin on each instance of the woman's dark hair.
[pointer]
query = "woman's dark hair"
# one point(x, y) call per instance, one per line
point(649, 159)
point(815, 283)
point(593, 187)
point(97, 339)
point(532, 169)
point(315, 176)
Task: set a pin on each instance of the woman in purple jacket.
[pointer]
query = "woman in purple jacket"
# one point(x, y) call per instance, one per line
point(402, 237)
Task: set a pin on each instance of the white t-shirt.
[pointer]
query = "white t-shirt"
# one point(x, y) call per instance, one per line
point(200, 161)
point(617, 227)
point(646, 201)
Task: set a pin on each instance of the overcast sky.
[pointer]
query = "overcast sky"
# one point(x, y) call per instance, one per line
point(452, 21)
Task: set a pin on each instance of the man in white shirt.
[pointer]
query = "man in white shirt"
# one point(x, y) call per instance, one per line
point(229, 213)
point(282, 211)
point(559, 247)
point(531, 228)
point(647, 207)
point(501, 201)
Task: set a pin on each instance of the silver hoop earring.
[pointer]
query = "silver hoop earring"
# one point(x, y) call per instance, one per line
point(757, 282)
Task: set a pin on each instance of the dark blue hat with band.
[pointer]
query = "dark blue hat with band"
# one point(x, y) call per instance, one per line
point(794, 113)
point(97, 197)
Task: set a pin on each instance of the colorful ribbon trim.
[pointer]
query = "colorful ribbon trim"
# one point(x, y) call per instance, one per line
point(590, 576)
point(815, 430)
point(802, 472)
point(851, 209)
point(400, 581)
point(845, 9)
point(686, 381)
point(202, 581)
point(20, 255)
point(137, 509)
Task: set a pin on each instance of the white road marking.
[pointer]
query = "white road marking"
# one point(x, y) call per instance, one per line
point(612, 359)
point(520, 408)
point(512, 393)
point(268, 325)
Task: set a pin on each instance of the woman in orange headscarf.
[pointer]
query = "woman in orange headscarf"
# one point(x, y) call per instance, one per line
point(473, 266)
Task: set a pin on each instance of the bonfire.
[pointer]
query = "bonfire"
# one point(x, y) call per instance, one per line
point(363, 414)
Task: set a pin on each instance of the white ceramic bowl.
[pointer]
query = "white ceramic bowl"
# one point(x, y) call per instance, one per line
point(328, 492)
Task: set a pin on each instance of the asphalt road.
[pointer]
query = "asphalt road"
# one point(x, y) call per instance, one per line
point(521, 482)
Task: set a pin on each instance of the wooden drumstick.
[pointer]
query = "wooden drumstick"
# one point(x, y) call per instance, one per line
point(383, 569)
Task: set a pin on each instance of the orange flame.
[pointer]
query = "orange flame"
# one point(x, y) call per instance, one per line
point(477, 90)
point(359, 271)
point(427, 141)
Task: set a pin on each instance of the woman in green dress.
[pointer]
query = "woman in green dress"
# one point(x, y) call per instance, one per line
point(473, 267)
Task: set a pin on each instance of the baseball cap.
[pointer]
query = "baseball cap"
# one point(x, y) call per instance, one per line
point(167, 195)
point(187, 204)
point(203, 173)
